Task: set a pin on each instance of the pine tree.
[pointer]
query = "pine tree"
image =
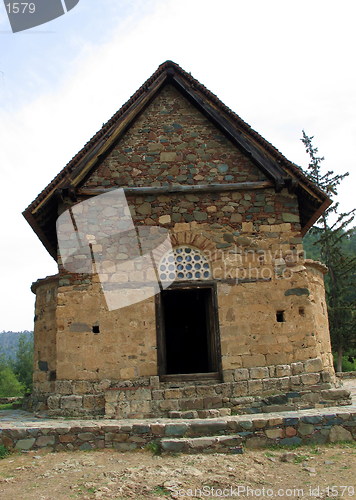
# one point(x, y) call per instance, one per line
point(340, 280)
point(23, 363)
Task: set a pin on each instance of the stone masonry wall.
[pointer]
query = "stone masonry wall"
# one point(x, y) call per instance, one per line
point(171, 142)
point(257, 277)
point(271, 304)
point(45, 334)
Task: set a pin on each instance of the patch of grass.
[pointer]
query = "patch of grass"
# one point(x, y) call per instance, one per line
point(285, 446)
point(315, 450)
point(346, 444)
point(301, 458)
point(269, 454)
point(4, 452)
point(161, 491)
point(6, 406)
point(154, 447)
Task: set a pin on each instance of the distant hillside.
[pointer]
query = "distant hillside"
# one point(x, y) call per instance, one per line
point(9, 342)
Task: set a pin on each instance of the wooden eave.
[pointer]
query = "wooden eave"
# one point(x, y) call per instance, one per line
point(42, 213)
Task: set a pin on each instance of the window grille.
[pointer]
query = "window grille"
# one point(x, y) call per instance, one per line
point(184, 263)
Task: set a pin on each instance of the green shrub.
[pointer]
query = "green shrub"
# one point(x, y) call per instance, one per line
point(4, 452)
point(9, 385)
point(348, 363)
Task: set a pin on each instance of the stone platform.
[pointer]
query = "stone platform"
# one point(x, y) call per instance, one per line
point(25, 431)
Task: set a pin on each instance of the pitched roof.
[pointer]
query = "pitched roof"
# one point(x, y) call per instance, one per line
point(41, 213)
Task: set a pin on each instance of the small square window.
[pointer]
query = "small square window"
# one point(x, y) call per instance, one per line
point(280, 317)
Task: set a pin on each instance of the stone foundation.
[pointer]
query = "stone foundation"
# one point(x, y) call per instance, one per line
point(227, 435)
point(245, 390)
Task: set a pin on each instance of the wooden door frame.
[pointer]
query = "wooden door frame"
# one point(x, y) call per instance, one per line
point(214, 347)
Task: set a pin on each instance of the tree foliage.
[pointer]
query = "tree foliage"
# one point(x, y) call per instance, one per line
point(16, 367)
point(334, 238)
point(23, 363)
point(9, 384)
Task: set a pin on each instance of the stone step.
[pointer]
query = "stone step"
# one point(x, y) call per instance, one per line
point(213, 413)
point(204, 444)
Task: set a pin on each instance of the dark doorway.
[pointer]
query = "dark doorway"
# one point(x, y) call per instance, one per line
point(188, 331)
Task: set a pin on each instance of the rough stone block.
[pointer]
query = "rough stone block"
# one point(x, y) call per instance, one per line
point(310, 378)
point(254, 360)
point(241, 374)
point(274, 433)
point(25, 444)
point(206, 391)
point(212, 402)
point(259, 424)
point(111, 396)
point(164, 219)
point(295, 380)
point(93, 402)
point(335, 394)
point(82, 387)
point(157, 429)
point(154, 382)
point(169, 405)
point(71, 402)
point(67, 438)
point(256, 442)
point(284, 383)
point(255, 386)
point(174, 446)
point(158, 394)
point(53, 402)
point(259, 372)
point(283, 371)
point(240, 389)
point(228, 376)
point(201, 443)
point(189, 392)
point(305, 429)
point(297, 368)
point(290, 432)
point(270, 384)
point(313, 365)
point(63, 387)
point(44, 441)
point(326, 376)
point(338, 433)
point(139, 394)
point(210, 428)
point(176, 429)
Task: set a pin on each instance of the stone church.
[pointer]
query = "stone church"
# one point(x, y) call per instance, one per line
point(220, 311)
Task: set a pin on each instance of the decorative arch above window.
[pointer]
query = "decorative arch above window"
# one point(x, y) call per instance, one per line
point(184, 263)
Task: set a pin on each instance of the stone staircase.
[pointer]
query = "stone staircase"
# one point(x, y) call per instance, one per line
point(197, 437)
point(213, 413)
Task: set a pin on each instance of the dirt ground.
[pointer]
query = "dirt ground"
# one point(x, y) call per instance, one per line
point(307, 472)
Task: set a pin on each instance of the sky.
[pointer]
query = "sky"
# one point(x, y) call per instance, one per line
point(281, 65)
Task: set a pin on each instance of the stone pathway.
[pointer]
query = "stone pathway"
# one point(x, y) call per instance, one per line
point(23, 419)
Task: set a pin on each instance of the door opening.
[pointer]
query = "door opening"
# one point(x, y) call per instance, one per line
point(188, 331)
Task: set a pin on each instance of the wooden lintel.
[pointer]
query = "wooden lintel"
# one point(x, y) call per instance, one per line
point(197, 188)
point(117, 131)
point(105, 142)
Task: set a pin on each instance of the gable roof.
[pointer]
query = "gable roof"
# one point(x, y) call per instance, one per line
point(42, 212)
